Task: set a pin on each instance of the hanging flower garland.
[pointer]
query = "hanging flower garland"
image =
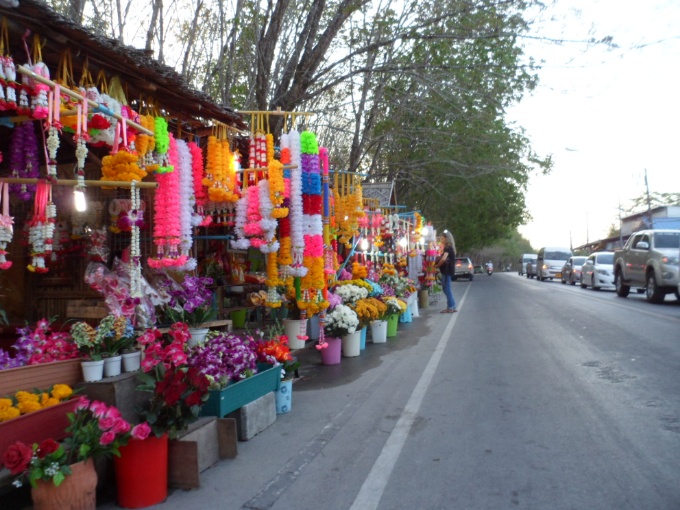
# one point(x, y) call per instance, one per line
point(297, 267)
point(135, 251)
point(277, 188)
point(11, 84)
point(39, 98)
point(269, 141)
point(162, 145)
point(186, 203)
point(241, 242)
point(311, 208)
point(253, 227)
point(23, 159)
point(285, 257)
point(167, 225)
point(268, 222)
point(219, 174)
point(6, 226)
point(145, 145)
point(200, 194)
point(41, 228)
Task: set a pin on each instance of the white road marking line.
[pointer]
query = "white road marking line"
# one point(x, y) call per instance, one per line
point(376, 481)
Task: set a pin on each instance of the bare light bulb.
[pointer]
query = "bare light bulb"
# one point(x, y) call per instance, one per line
point(79, 200)
point(364, 244)
point(403, 242)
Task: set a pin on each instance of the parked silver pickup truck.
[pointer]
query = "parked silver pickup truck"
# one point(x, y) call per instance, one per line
point(649, 260)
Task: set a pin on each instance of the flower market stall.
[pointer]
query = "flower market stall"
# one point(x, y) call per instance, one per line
point(139, 222)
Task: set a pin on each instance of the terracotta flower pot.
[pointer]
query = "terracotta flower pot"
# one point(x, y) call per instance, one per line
point(78, 491)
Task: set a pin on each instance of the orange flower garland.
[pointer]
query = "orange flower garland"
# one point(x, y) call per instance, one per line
point(219, 174)
point(122, 166)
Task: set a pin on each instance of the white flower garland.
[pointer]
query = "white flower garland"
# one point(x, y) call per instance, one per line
point(242, 242)
point(297, 232)
point(135, 251)
point(267, 223)
point(186, 201)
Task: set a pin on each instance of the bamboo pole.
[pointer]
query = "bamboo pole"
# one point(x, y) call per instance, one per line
point(78, 97)
point(92, 184)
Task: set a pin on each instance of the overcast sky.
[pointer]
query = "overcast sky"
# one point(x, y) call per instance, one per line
point(604, 115)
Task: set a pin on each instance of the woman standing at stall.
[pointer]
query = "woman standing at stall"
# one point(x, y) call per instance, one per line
point(447, 265)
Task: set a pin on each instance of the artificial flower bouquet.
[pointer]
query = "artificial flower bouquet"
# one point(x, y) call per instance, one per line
point(275, 351)
point(111, 337)
point(350, 293)
point(39, 345)
point(190, 301)
point(341, 321)
point(177, 390)
point(367, 311)
point(225, 358)
point(380, 307)
point(25, 402)
point(394, 306)
point(95, 430)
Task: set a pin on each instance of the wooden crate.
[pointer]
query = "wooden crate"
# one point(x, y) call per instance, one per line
point(86, 309)
point(42, 376)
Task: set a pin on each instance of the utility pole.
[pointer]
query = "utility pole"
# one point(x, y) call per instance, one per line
point(650, 223)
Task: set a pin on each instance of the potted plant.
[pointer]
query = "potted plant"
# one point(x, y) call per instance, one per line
point(341, 322)
point(103, 345)
point(230, 363)
point(276, 351)
point(394, 309)
point(176, 394)
point(190, 302)
point(379, 324)
point(63, 475)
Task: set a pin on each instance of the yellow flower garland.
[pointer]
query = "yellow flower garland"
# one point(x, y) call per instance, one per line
point(276, 188)
point(285, 255)
point(122, 166)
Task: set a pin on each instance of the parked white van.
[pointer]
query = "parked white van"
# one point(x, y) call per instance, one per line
point(550, 260)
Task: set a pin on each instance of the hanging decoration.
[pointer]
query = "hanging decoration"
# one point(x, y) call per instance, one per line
point(167, 223)
point(186, 204)
point(6, 225)
point(41, 227)
point(201, 219)
point(285, 258)
point(297, 227)
point(145, 144)
point(314, 279)
point(135, 251)
point(8, 72)
point(23, 159)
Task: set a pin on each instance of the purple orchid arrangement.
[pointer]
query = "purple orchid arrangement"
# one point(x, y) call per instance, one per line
point(225, 358)
point(190, 301)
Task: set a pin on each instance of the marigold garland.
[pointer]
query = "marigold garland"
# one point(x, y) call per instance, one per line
point(122, 166)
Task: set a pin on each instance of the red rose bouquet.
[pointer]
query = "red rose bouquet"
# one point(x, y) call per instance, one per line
point(177, 390)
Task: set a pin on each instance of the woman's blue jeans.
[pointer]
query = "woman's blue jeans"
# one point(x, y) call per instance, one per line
point(446, 284)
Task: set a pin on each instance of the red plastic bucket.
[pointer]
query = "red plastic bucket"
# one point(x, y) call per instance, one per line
point(142, 472)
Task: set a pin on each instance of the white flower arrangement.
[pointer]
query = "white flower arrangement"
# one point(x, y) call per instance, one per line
point(350, 294)
point(341, 321)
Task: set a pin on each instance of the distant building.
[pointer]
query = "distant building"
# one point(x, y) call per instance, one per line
point(662, 217)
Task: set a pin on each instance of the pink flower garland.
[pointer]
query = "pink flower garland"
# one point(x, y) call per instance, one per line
point(167, 221)
point(200, 193)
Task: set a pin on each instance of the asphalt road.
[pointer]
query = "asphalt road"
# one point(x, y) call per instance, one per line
point(535, 395)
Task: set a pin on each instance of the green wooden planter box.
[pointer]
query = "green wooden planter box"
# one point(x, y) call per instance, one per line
point(222, 402)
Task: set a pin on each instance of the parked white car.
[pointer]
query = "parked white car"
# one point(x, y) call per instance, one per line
point(598, 270)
